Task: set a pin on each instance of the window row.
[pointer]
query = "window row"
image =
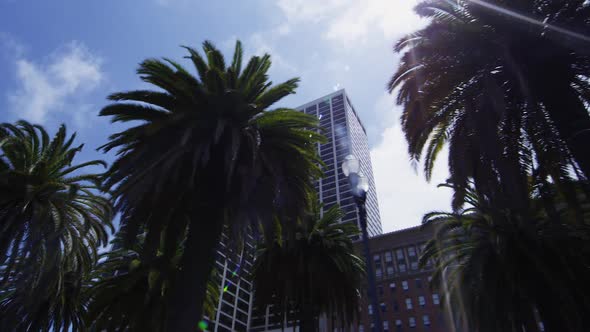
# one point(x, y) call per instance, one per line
point(399, 324)
point(390, 271)
point(408, 303)
point(405, 284)
point(403, 257)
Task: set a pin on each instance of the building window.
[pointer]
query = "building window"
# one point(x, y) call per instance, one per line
point(411, 251)
point(378, 273)
point(388, 256)
point(426, 320)
point(380, 290)
point(370, 309)
point(239, 327)
point(435, 299)
point(390, 270)
point(405, 285)
point(395, 306)
point(392, 287)
point(385, 326)
point(414, 265)
point(398, 322)
point(361, 328)
point(412, 322)
point(383, 307)
point(418, 283)
point(399, 253)
point(376, 258)
point(421, 301)
point(409, 303)
point(402, 268)
point(429, 279)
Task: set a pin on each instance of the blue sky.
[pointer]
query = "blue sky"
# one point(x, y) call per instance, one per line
point(61, 58)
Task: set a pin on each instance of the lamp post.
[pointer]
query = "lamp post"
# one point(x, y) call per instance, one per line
point(359, 185)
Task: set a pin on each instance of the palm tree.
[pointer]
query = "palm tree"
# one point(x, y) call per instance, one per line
point(500, 90)
point(122, 281)
point(502, 271)
point(208, 153)
point(52, 224)
point(314, 272)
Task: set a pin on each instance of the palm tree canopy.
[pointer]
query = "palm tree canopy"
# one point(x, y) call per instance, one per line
point(499, 271)
point(209, 137)
point(483, 80)
point(125, 293)
point(211, 154)
point(52, 222)
point(318, 267)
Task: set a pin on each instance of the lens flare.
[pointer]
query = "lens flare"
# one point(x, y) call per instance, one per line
point(203, 325)
point(531, 20)
point(235, 272)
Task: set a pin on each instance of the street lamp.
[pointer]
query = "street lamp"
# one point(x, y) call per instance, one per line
point(359, 185)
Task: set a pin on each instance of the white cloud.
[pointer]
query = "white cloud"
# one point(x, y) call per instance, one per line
point(168, 2)
point(72, 71)
point(404, 195)
point(10, 47)
point(350, 22)
point(385, 110)
point(284, 29)
point(367, 27)
point(261, 45)
point(309, 10)
point(82, 115)
point(362, 19)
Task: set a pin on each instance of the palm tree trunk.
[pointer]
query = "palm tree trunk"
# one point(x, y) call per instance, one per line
point(553, 318)
point(190, 288)
point(530, 322)
point(333, 322)
point(307, 319)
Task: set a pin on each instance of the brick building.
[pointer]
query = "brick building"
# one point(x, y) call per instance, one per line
point(406, 302)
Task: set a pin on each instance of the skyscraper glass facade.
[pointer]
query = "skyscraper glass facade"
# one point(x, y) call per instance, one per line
point(233, 275)
point(346, 135)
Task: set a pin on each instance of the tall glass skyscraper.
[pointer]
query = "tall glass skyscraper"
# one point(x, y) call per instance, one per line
point(346, 135)
point(235, 284)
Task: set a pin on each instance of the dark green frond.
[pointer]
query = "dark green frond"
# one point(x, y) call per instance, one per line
point(210, 139)
point(316, 269)
point(52, 228)
point(236, 64)
point(277, 93)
